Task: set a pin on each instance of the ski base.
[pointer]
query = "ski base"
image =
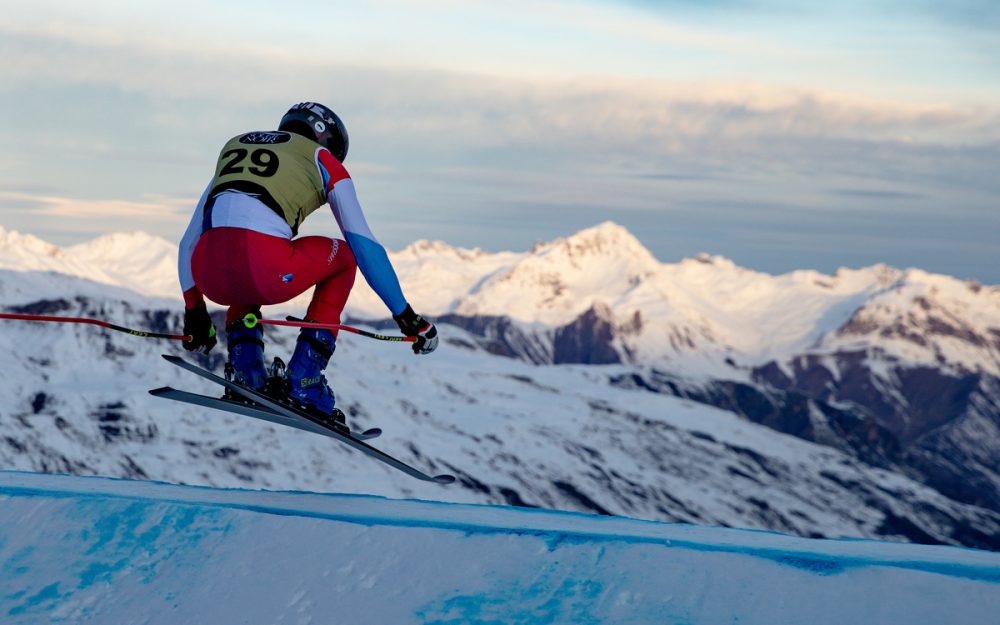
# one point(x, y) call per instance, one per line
point(251, 410)
point(290, 415)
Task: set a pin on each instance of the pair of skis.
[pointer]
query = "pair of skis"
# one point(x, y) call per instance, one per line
point(268, 409)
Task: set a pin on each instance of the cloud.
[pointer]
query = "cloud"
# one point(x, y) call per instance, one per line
point(156, 209)
point(877, 194)
point(450, 151)
point(427, 99)
point(188, 99)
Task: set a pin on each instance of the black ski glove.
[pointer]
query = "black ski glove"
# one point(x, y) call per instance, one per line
point(199, 326)
point(412, 324)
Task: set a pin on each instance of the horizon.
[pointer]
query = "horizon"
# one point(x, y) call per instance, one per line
point(696, 256)
point(775, 133)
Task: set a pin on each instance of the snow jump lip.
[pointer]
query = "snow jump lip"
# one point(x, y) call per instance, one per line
point(823, 557)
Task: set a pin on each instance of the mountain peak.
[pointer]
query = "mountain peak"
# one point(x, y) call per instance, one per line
point(428, 248)
point(20, 244)
point(608, 228)
point(427, 245)
point(559, 280)
point(119, 242)
point(606, 232)
point(607, 240)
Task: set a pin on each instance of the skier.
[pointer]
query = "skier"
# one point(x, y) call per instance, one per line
point(239, 250)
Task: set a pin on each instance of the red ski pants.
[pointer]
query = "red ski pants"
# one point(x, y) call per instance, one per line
point(244, 269)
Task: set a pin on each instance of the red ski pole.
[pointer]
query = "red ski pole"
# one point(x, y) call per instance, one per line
point(97, 322)
point(252, 320)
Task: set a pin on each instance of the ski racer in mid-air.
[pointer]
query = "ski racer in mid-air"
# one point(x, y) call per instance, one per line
point(239, 250)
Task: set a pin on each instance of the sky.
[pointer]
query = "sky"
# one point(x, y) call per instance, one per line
point(778, 133)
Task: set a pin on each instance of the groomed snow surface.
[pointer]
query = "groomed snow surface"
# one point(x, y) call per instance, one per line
point(96, 550)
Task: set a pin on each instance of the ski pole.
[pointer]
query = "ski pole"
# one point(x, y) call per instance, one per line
point(252, 320)
point(98, 322)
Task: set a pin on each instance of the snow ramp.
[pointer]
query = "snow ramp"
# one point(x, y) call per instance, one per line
point(96, 550)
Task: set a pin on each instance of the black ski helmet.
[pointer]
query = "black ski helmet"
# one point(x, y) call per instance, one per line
point(317, 122)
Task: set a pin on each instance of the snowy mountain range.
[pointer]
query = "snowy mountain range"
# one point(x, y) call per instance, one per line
point(583, 374)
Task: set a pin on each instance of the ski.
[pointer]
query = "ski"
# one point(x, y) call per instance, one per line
point(293, 414)
point(257, 412)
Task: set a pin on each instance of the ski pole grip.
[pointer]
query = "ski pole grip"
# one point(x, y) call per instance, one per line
point(250, 320)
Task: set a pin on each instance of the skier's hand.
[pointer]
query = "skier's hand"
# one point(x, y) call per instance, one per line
point(412, 324)
point(199, 326)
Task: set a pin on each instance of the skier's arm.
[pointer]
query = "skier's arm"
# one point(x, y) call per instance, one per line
point(370, 254)
point(197, 322)
point(192, 296)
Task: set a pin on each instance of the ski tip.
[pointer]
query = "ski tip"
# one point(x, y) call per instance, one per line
point(156, 392)
point(444, 479)
point(171, 358)
point(372, 432)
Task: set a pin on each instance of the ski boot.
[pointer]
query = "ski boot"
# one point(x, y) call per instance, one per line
point(246, 355)
point(305, 383)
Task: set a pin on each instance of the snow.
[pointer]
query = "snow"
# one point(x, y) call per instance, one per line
point(562, 437)
point(20, 252)
point(137, 260)
point(438, 273)
point(695, 314)
point(928, 319)
point(566, 437)
point(91, 550)
point(560, 280)
point(557, 437)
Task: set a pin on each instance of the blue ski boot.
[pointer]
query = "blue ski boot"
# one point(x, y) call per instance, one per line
point(246, 354)
point(307, 387)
